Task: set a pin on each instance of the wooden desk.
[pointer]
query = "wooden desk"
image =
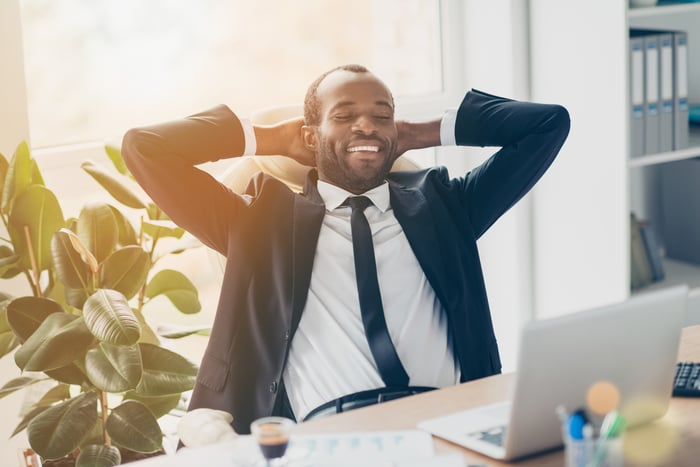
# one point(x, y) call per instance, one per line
point(678, 430)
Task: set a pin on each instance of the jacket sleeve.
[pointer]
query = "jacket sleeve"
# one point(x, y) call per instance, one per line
point(529, 134)
point(164, 157)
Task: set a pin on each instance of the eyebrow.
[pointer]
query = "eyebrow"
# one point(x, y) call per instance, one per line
point(350, 103)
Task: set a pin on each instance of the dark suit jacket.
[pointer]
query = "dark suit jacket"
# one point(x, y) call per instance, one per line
point(269, 236)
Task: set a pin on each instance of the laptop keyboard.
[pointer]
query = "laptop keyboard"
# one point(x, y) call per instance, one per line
point(495, 435)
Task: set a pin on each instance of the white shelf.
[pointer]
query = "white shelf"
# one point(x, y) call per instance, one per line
point(693, 150)
point(669, 9)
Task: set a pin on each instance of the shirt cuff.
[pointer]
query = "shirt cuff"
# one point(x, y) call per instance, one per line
point(249, 135)
point(447, 128)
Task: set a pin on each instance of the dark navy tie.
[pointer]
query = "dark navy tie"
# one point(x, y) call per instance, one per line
point(383, 351)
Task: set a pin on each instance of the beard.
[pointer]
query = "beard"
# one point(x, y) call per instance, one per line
point(337, 170)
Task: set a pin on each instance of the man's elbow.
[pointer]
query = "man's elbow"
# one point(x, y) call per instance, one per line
point(563, 119)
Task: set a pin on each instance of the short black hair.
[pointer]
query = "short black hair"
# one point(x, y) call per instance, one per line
point(312, 106)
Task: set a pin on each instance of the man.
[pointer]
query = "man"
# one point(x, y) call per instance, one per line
point(291, 334)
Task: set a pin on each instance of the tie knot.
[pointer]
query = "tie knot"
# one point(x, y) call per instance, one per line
point(358, 202)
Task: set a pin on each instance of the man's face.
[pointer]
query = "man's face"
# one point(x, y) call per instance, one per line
point(356, 139)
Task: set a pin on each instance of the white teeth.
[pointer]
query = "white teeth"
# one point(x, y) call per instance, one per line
point(363, 148)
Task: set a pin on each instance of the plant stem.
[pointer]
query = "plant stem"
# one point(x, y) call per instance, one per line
point(103, 405)
point(32, 260)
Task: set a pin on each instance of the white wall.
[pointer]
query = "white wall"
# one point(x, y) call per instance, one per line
point(14, 128)
point(496, 61)
point(580, 226)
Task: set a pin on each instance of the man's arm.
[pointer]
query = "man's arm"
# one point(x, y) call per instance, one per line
point(285, 139)
point(530, 136)
point(164, 157)
point(418, 135)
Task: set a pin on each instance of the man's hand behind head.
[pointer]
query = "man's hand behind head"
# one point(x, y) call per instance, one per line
point(417, 135)
point(285, 139)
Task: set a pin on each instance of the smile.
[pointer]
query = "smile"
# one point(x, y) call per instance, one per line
point(364, 149)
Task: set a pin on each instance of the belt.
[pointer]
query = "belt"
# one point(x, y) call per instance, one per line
point(363, 399)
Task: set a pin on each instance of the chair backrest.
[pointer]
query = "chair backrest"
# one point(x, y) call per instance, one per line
point(283, 168)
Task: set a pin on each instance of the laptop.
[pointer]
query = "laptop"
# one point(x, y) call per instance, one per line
point(632, 344)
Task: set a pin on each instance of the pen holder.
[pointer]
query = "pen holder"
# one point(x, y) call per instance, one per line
point(593, 452)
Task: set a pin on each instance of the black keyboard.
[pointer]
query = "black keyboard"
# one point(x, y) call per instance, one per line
point(687, 381)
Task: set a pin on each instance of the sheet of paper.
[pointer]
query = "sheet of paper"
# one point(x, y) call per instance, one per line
point(406, 448)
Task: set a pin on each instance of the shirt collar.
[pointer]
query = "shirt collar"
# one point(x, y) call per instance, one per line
point(333, 196)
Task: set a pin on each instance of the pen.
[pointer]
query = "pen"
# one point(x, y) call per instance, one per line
point(562, 413)
point(575, 423)
point(613, 425)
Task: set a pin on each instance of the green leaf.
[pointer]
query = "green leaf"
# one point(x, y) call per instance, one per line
point(28, 417)
point(76, 297)
point(109, 317)
point(114, 368)
point(133, 426)
point(8, 340)
point(70, 267)
point(155, 213)
point(187, 242)
point(97, 229)
point(127, 234)
point(115, 187)
point(162, 228)
point(18, 177)
point(59, 340)
point(178, 288)
point(10, 263)
point(126, 270)
point(69, 374)
point(147, 334)
point(18, 383)
point(98, 455)
point(25, 314)
point(37, 178)
point(60, 429)
point(36, 208)
point(58, 393)
point(158, 405)
point(115, 155)
point(4, 166)
point(164, 372)
point(172, 331)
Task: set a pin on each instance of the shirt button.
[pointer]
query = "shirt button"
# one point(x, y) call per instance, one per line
point(273, 387)
point(286, 335)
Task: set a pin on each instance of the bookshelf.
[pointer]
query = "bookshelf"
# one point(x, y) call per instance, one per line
point(579, 57)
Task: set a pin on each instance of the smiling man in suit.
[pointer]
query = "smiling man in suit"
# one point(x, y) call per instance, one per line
point(333, 301)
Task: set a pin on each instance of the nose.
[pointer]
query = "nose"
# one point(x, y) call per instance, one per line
point(364, 125)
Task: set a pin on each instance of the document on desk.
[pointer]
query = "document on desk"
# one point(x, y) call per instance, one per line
point(404, 448)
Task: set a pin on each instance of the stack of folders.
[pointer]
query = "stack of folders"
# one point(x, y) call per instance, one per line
point(658, 91)
point(645, 255)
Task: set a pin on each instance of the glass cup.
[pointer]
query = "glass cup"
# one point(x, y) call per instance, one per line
point(272, 435)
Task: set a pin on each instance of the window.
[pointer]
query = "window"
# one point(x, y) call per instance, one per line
point(97, 67)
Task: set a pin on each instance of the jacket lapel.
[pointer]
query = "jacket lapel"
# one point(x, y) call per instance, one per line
point(419, 225)
point(308, 217)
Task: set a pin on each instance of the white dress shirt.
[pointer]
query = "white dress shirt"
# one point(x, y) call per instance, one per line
point(330, 356)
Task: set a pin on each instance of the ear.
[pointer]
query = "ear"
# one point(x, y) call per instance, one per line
point(308, 134)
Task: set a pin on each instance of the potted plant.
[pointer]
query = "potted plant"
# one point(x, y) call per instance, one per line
point(82, 328)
